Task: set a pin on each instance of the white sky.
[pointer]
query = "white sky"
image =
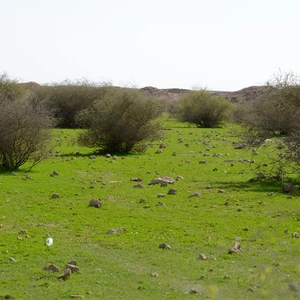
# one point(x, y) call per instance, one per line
point(221, 45)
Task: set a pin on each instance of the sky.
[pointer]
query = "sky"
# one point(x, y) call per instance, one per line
point(223, 45)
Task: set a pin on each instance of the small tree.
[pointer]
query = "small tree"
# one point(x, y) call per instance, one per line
point(120, 121)
point(23, 128)
point(276, 114)
point(67, 99)
point(204, 110)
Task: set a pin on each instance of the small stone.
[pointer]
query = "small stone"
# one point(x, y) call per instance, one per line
point(201, 276)
point(194, 291)
point(66, 274)
point(246, 229)
point(195, 194)
point(221, 191)
point(226, 277)
point(287, 187)
point(154, 274)
point(138, 185)
point(11, 259)
point(294, 287)
point(161, 195)
point(73, 268)
point(250, 289)
point(202, 257)
point(160, 204)
point(51, 267)
point(142, 200)
point(95, 203)
point(236, 248)
point(73, 262)
point(172, 191)
point(295, 235)
point(55, 196)
point(164, 246)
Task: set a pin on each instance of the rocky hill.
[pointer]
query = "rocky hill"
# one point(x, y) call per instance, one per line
point(246, 94)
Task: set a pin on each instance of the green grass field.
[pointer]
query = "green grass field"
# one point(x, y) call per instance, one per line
point(129, 264)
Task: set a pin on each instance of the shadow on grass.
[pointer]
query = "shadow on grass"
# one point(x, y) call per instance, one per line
point(258, 186)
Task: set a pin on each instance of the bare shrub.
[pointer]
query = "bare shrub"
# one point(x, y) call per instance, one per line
point(120, 121)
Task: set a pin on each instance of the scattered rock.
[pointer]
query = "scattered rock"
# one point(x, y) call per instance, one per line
point(221, 191)
point(160, 204)
point(93, 157)
point(172, 191)
point(164, 246)
point(159, 151)
point(201, 276)
point(142, 200)
point(95, 203)
point(196, 194)
point(11, 259)
point(226, 277)
point(202, 257)
point(294, 287)
point(138, 185)
point(194, 291)
point(154, 274)
point(55, 196)
point(161, 179)
point(250, 289)
point(77, 296)
point(287, 187)
point(161, 195)
point(295, 235)
point(52, 268)
point(113, 231)
point(236, 248)
point(179, 178)
point(66, 275)
point(137, 179)
point(73, 268)
point(161, 146)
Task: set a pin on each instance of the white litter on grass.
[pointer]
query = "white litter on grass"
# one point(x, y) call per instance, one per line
point(49, 241)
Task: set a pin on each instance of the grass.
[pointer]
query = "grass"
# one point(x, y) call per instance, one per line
point(119, 266)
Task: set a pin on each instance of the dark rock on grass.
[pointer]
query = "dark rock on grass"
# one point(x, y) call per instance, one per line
point(73, 268)
point(161, 195)
point(295, 235)
point(236, 248)
point(138, 185)
point(52, 268)
point(172, 191)
point(95, 203)
point(66, 274)
point(164, 246)
point(287, 187)
point(162, 179)
point(196, 194)
point(55, 196)
point(113, 231)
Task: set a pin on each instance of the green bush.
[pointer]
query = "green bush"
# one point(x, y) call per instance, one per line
point(66, 99)
point(120, 121)
point(23, 127)
point(204, 110)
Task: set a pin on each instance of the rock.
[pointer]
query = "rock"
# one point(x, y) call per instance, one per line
point(95, 203)
point(179, 178)
point(196, 194)
point(138, 185)
point(161, 195)
point(172, 191)
point(250, 289)
point(73, 262)
point(55, 196)
point(202, 257)
point(93, 157)
point(73, 268)
point(142, 200)
point(52, 268)
point(236, 248)
point(113, 231)
point(295, 235)
point(161, 179)
point(137, 179)
point(77, 296)
point(164, 246)
point(161, 146)
point(154, 274)
point(159, 151)
point(287, 187)
point(294, 287)
point(11, 259)
point(194, 291)
point(226, 277)
point(66, 274)
point(160, 204)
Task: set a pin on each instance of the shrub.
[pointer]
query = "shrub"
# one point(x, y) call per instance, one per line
point(67, 99)
point(120, 121)
point(204, 110)
point(23, 128)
